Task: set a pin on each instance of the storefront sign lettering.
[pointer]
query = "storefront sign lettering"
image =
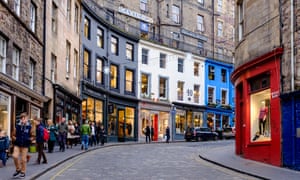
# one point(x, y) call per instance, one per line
point(275, 94)
point(135, 15)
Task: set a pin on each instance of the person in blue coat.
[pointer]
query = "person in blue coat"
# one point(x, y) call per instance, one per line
point(4, 145)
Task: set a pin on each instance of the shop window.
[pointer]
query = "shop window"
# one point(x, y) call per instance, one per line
point(260, 116)
point(129, 115)
point(198, 119)
point(210, 120)
point(180, 122)
point(5, 112)
point(112, 121)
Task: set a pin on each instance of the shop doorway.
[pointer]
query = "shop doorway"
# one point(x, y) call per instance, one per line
point(121, 124)
point(154, 124)
point(21, 106)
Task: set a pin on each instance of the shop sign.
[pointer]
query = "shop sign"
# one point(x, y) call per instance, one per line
point(275, 94)
point(144, 27)
point(135, 15)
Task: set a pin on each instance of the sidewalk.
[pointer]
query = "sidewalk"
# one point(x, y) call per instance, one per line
point(227, 158)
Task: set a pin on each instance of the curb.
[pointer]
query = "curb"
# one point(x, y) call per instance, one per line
point(233, 169)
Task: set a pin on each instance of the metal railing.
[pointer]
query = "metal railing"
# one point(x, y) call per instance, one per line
point(156, 38)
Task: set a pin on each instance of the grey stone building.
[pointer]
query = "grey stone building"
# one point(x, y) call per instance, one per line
point(202, 27)
point(62, 70)
point(21, 61)
point(109, 75)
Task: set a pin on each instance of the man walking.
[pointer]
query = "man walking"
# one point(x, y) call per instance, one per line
point(22, 137)
point(85, 132)
point(62, 134)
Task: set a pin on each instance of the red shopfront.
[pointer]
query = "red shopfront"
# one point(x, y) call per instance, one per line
point(258, 117)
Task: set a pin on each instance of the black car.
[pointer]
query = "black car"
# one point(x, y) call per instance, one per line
point(200, 134)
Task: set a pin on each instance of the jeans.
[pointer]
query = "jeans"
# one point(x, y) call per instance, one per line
point(85, 141)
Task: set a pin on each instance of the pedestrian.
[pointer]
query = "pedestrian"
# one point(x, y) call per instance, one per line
point(167, 134)
point(93, 134)
point(152, 133)
point(4, 146)
point(70, 134)
point(102, 135)
point(62, 134)
point(98, 127)
point(22, 137)
point(76, 134)
point(53, 134)
point(40, 141)
point(147, 133)
point(85, 131)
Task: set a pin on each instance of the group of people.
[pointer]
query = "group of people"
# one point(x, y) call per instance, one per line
point(149, 133)
point(64, 134)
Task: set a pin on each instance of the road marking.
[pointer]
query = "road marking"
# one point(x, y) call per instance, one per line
point(67, 167)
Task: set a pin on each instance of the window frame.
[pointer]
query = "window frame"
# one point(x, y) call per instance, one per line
point(162, 60)
point(3, 54)
point(175, 14)
point(200, 23)
point(145, 85)
point(33, 16)
point(180, 65)
point(163, 91)
point(99, 75)
point(16, 63)
point(17, 7)
point(211, 72)
point(114, 45)
point(180, 90)
point(31, 73)
point(129, 51)
point(114, 76)
point(53, 70)
point(86, 64)
point(145, 53)
point(129, 83)
point(100, 37)
point(211, 96)
point(87, 27)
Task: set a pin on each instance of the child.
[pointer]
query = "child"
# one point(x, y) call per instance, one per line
point(4, 145)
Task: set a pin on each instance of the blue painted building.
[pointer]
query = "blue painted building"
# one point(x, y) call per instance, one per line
point(219, 94)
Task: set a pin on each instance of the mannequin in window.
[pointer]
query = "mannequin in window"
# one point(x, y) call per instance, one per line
point(263, 111)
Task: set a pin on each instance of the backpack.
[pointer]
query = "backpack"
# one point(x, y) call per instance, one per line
point(46, 134)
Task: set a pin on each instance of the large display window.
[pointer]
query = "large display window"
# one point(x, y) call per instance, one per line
point(92, 110)
point(260, 116)
point(180, 121)
point(5, 112)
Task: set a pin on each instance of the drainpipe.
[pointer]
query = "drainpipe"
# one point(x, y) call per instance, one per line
point(44, 57)
point(292, 46)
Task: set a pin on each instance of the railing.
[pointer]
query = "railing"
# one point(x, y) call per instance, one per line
point(158, 39)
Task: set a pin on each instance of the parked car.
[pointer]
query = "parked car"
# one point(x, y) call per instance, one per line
point(200, 134)
point(229, 132)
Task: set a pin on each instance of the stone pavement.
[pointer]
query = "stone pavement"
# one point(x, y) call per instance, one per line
point(226, 157)
point(222, 156)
